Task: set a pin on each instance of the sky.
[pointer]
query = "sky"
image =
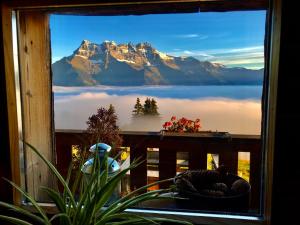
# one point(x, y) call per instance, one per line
point(235, 39)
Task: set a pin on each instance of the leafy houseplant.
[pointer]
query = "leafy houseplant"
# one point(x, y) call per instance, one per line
point(88, 208)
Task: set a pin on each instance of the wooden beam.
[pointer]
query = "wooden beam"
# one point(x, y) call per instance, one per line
point(13, 132)
point(233, 5)
point(36, 92)
point(205, 5)
point(5, 164)
point(273, 61)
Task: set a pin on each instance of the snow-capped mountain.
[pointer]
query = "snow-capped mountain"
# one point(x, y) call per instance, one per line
point(127, 64)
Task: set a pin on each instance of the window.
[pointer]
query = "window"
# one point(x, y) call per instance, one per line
point(29, 88)
point(170, 73)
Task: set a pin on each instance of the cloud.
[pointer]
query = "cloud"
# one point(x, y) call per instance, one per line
point(234, 116)
point(187, 52)
point(248, 57)
point(198, 36)
point(194, 53)
point(246, 49)
point(245, 57)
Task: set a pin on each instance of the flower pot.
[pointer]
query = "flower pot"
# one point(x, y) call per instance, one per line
point(214, 134)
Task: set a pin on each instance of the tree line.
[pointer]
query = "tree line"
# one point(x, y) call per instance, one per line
point(149, 108)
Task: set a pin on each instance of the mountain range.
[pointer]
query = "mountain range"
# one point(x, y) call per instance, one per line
point(141, 64)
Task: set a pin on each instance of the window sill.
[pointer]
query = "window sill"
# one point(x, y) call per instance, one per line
point(193, 217)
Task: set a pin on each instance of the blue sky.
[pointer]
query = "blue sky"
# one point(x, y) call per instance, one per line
point(232, 38)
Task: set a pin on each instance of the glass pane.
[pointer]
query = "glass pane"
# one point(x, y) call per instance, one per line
point(152, 167)
point(212, 161)
point(186, 83)
point(182, 162)
point(244, 165)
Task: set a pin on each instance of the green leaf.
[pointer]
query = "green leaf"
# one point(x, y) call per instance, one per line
point(125, 216)
point(22, 211)
point(34, 203)
point(65, 194)
point(15, 220)
point(158, 219)
point(105, 193)
point(55, 171)
point(78, 178)
point(130, 222)
point(63, 216)
point(128, 196)
point(57, 199)
point(69, 173)
point(134, 201)
point(102, 195)
point(84, 199)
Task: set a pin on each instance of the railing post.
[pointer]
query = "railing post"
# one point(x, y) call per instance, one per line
point(197, 157)
point(229, 157)
point(167, 165)
point(63, 152)
point(255, 174)
point(138, 176)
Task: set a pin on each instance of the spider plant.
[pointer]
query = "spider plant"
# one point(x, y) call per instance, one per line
point(89, 206)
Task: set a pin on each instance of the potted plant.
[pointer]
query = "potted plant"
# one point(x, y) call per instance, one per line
point(88, 207)
point(188, 127)
point(182, 125)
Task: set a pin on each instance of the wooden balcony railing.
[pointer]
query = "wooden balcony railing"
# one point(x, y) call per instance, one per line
point(197, 146)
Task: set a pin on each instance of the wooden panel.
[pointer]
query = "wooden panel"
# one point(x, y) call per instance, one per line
point(229, 158)
point(167, 165)
point(197, 157)
point(205, 5)
point(34, 50)
point(5, 164)
point(255, 177)
point(138, 176)
point(274, 59)
point(11, 99)
point(63, 146)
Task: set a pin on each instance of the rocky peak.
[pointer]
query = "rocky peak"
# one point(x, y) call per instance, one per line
point(85, 42)
point(131, 47)
point(109, 43)
point(87, 49)
point(109, 63)
point(144, 45)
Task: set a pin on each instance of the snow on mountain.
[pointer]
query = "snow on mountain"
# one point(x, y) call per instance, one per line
point(127, 64)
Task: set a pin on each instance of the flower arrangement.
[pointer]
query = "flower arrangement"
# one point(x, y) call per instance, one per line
point(182, 125)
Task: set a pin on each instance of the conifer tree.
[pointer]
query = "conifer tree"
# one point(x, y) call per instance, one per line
point(153, 107)
point(138, 108)
point(147, 107)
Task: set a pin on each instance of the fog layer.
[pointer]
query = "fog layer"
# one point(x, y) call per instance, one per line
point(222, 114)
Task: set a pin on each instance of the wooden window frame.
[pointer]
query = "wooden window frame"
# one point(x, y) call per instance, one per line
point(272, 61)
